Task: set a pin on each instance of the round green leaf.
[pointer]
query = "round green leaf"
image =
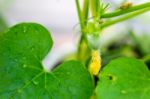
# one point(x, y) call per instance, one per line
point(124, 78)
point(22, 49)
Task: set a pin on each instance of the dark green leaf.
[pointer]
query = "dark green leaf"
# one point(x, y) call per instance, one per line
point(124, 78)
point(22, 49)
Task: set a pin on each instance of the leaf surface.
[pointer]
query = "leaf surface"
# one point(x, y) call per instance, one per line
point(22, 49)
point(124, 78)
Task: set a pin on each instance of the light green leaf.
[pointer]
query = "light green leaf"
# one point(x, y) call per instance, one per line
point(124, 78)
point(22, 49)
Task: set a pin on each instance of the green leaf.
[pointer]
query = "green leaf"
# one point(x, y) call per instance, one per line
point(124, 78)
point(22, 49)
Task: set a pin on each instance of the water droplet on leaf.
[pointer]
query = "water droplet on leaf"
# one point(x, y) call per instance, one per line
point(19, 91)
point(35, 82)
point(24, 58)
point(24, 66)
point(68, 73)
point(123, 92)
point(16, 60)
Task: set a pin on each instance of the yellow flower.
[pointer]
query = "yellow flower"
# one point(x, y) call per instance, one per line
point(95, 63)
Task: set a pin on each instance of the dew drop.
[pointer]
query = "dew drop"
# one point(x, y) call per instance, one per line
point(70, 89)
point(35, 82)
point(123, 91)
point(24, 58)
point(24, 66)
point(16, 60)
point(19, 91)
point(68, 73)
point(32, 48)
point(24, 30)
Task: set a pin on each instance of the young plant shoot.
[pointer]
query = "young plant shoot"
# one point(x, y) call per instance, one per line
point(24, 46)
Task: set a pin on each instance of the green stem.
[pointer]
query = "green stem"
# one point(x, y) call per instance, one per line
point(83, 16)
point(125, 11)
point(131, 15)
point(98, 7)
point(85, 11)
point(94, 8)
point(80, 14)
